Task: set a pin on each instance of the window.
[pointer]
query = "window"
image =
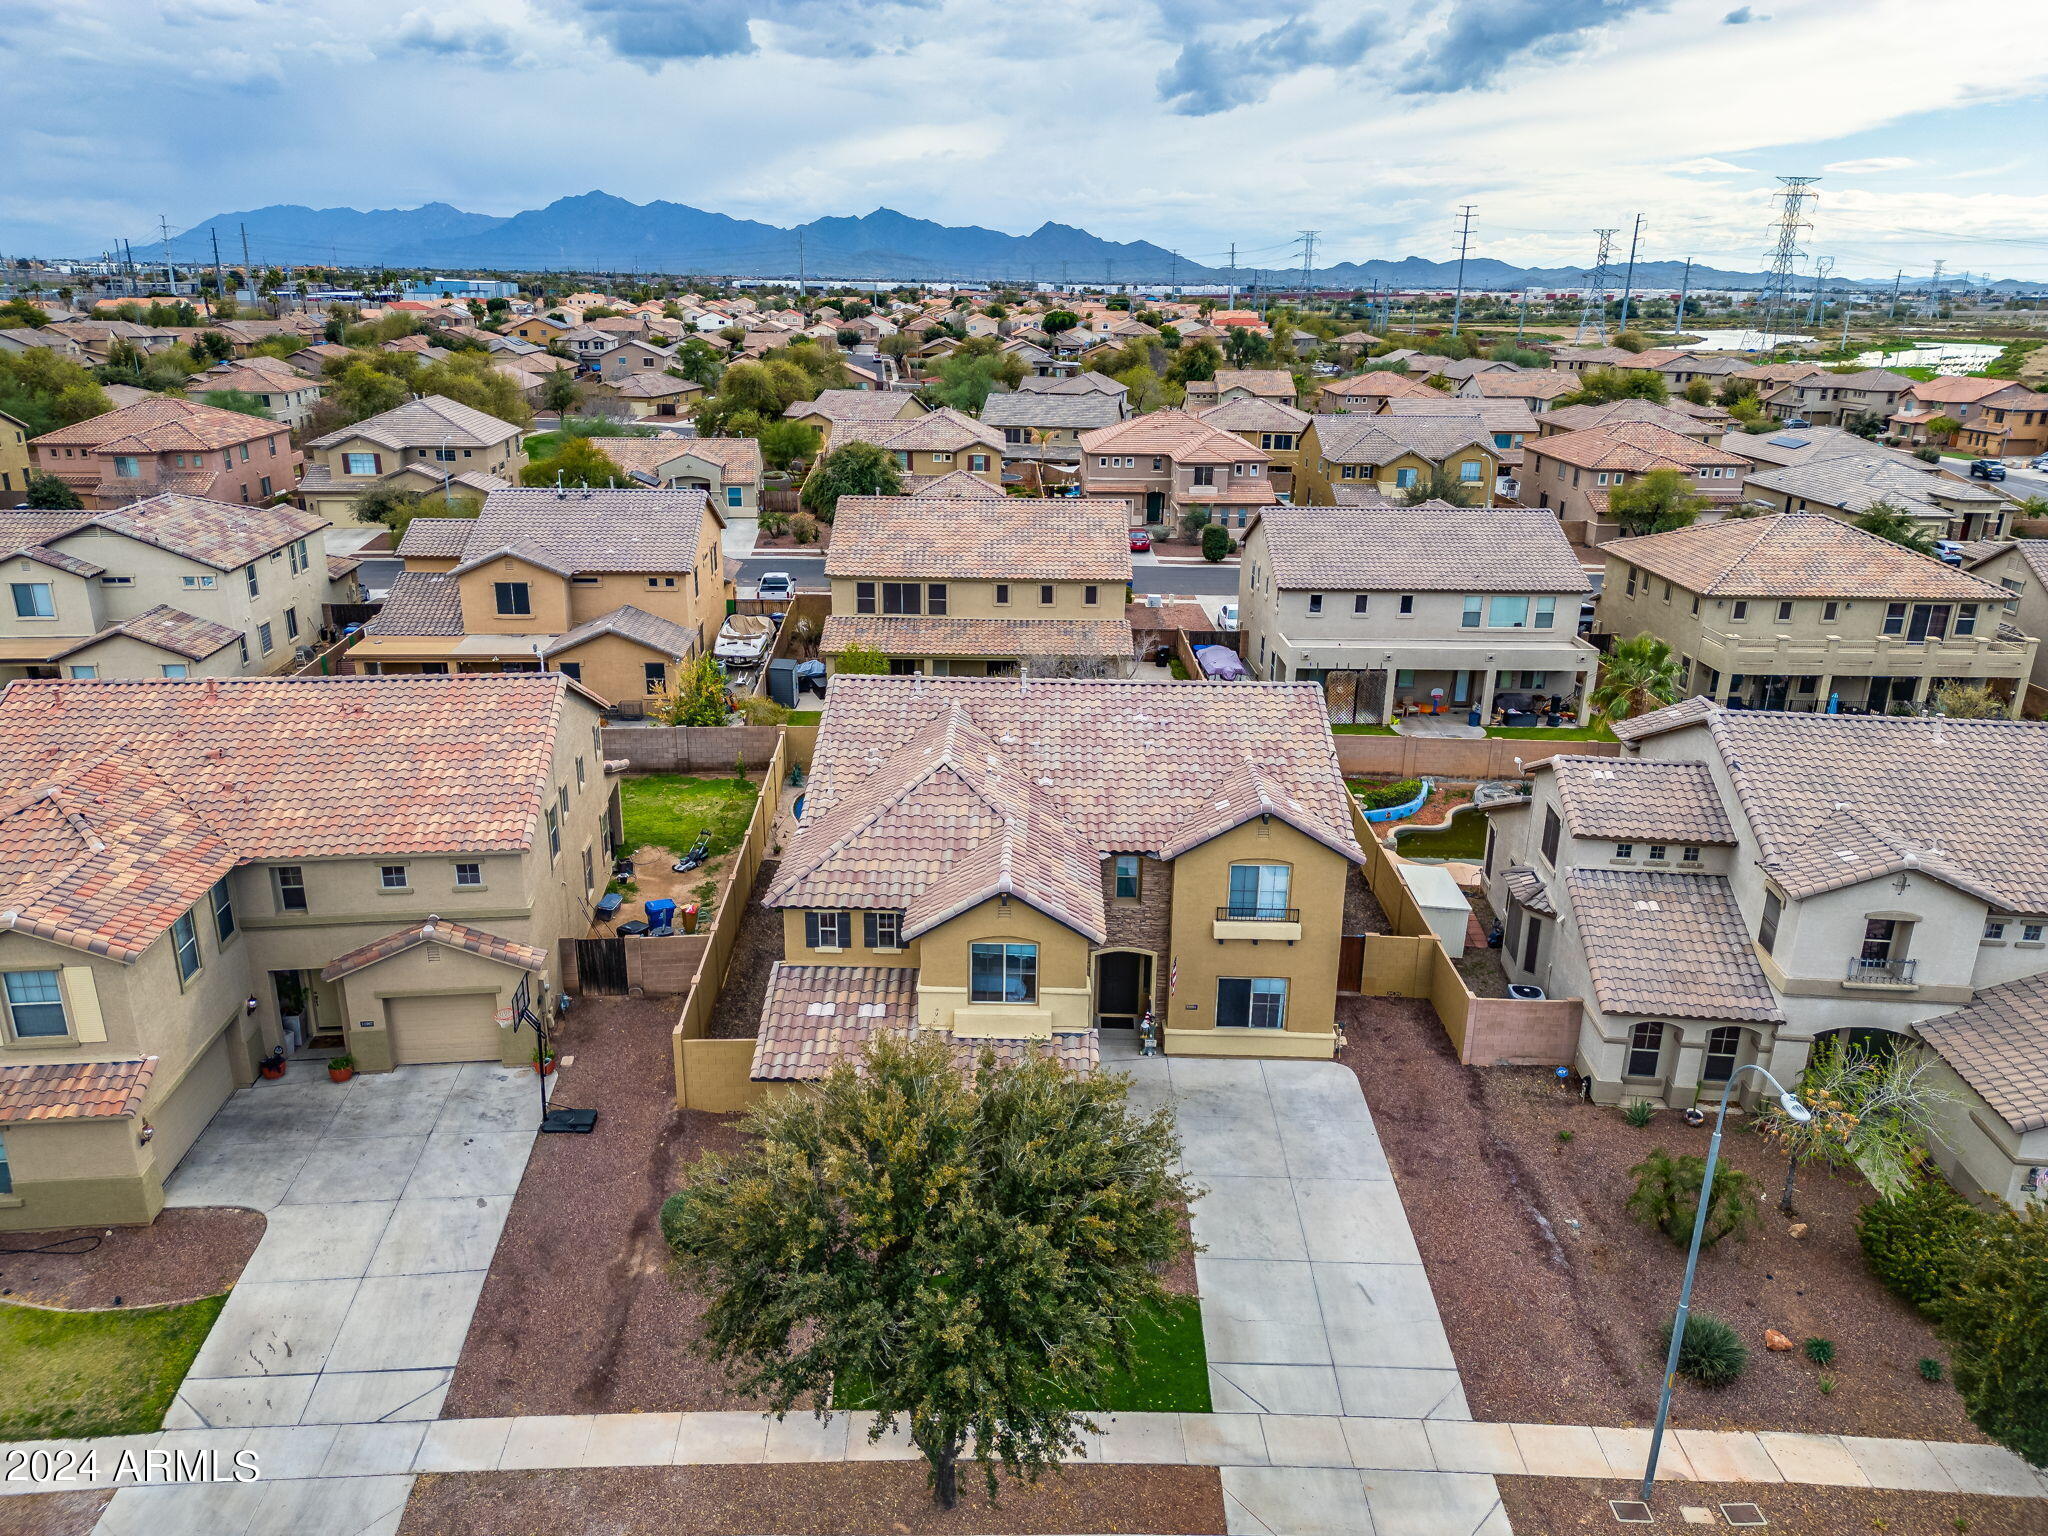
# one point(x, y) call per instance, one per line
point(197, 581)
point(1407, 605)
point(1045, 595)
point(1739, 612)
point(1204, 474)
point(1508, 613)
point(589, 870)
point(902, 597)
point(863, 597)
point(1767, 926)
point(554, 818)
point(1259, 891)
point(1994, 932)
point(1358, 603)
point(1091, 596)
point(223, 903)
point(935, 598)
point(884, 930)
point(1689, 856)
point(1473, 606)
point(1659, 851)
point(826, 930)
point(655, 674)
point(1645, 1050)
point(1724, 1047)
point(1784, 613)
point(249, 575)
point(360, 464)
point(392, 877)
point(1553, 829)
point(1002, 973)
point(977, 463)
point(1966, 619)
point(185, 945)
point(83, 673)
point(1315, 602)
point(6, 1173)
point(1127, 867)
point(573, 669)
point(1829, 612)
point(263, 639)
point(1251, 1002)
point(1470, 470)
point(127, 467)
point(515, 598)
point(469, 874)
point(734, 496)
point(2031, 933)
point(1624, 850)
point(35, 1005)
point(34, 600)
point(1631, 581)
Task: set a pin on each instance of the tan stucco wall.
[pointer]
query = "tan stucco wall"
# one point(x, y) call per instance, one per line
point(1316, 479)
point(427, 970)
point(614, 668)
point(796, 952)
point(1064, 1002)
point(547, 596)
point(977, 599)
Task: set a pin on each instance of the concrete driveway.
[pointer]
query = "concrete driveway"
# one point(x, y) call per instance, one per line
point(384, 1198)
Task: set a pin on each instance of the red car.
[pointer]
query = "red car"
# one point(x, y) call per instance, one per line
point(1140, 541)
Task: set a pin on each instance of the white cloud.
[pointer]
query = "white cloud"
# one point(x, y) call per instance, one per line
point(1707, 165)
point(1874, 165)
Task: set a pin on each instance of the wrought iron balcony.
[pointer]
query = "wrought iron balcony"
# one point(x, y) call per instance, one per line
point(1881, 973)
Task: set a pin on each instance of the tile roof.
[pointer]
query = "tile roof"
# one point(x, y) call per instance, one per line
point(1663, 945)
point(944, 431)
point(1379, 384)
point(1796, 554)
point(1685, 712)
point(431, 538)
point(29, 533)
point(738, 457)
point(437, 930)
point(1635, 446)
point(1800, 445)
point(653, 386)
point(1957, 389)
point(1641, 800)
point(1854, 484)
point(255, 376)
point(909, 635)
point(1254, 413)
point(839, 406)
point(1421, 549)
point(182, 634)
point(121, 802)
point(580, 530)
point(1579, 418)
point(1526, 889)
point(1348, 439)
point(1998, 1044)
point(1176, 434)
point(1025, 408)
point(635, 624)
point(425, 423)
point(161, 424)
point(816, 1016)
point(73, 1090)
point(213, 533)
point(955, 486)
point(1270, 382)
point(1014, 538)
point(1087, 381)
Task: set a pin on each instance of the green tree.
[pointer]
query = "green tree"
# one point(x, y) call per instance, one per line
point(470, 379)
point(1658, 502)
point(360, 391)
point(699, 698)
point(698, 361)
point(559, 392)
point(1215, 541)
point(964, 1252)
point(1195, 362)
point(396, 508)
point(46, 493)
point(1996, 1326)
point(1632, 341)
point(1700, 392)
point(862, 661)
point(240, 401)
point(577, 462)
point(1941, 428)
point(783, 442)
point(1872, 1109)
point(213, 347)
point(1888, 520)
point(858, 469)
point(963, 380)
point(1603, 385)
point(44, 391)
point(1146, 391)
point(1521, 357)
point(20, 312)
point(1962, 700)
point(1246, 348)
point(1640, 674)
point(1053, 321)
point(1441, 485)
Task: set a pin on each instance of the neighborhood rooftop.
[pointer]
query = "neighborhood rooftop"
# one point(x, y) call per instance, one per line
point(1420, 549)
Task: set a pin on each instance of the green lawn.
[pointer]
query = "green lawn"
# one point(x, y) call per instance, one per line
point(667, 810)
point(69, 1374)
point(1598, 731)
point(1364, 730)
point(806, 716)
point(1172, 1375)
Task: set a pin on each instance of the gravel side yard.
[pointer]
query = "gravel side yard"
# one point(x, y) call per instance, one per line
point(1553, 1506)
point(181, 1256)
point(844, 1499)
point(1554, 1298)
point(754, 953)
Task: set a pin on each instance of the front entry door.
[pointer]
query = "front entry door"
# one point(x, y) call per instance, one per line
point(1155, 507)
point(1123, 988)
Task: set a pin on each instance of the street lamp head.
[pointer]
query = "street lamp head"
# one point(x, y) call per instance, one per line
point(1794, 1110)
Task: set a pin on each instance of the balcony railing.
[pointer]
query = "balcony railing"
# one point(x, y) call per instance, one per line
point(1253, 912)
point(1881, 973)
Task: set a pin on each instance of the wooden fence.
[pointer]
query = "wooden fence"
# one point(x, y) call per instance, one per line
point(1453, 757)
point(1411, 962)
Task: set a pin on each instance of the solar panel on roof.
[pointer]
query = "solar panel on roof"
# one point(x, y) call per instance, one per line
point(1790, 442)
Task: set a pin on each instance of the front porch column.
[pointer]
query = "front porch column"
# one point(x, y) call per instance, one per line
point(1683, 1087)
point(1827, 687)
point(1486, 696)
point(1583, 683)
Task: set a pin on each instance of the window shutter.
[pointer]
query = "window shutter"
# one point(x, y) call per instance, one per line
point(872, 930)
point(810, 930)
point(377, 463)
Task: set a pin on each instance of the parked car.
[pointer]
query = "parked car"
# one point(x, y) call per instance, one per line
point(1797, 421)
point(1986, 469)
point(1226, 616)
point(2039, 461)
point(1948, 551)
point(776, 587)
point(1140, 541)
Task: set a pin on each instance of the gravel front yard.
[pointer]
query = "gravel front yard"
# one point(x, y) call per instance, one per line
point(1554, 1298)
point(181, 1256)
point(1555, 1506)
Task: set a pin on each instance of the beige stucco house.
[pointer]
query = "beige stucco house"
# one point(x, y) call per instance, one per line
point(1172, 466)
point(1573, 473)
point(1393, 453)
point(430, 441)
point(204, 874)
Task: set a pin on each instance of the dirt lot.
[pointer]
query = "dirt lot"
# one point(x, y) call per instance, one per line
point(1552, 1506)
point(810, 1500)
point(181, 1256)
point(578, 1315)
point(754, 953)
point(1515, 1223)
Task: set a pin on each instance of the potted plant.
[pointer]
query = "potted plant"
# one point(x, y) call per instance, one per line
point(272, 1066)
point(341, 1068)
point(543, 1060)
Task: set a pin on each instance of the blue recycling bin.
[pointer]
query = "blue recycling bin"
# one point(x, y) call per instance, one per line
point(661, 913)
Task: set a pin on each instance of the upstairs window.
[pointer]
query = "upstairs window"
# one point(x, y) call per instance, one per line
point(515, 599)
point(291, 888)
point(35, 1005)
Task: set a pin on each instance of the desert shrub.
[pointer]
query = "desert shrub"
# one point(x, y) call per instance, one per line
point(1377, 797)
point(1215, 541)
point(1713, 1353)
point(1996, 1326)
point(1930, 1368)
point(1918, 1244)
point(773, 521)
point(1819, 1351)
point(1667, 1197)
point(1639, 1112)
point(759, 711)
point(804, 528)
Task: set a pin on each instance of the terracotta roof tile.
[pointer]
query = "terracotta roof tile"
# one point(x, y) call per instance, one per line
point(1013, 538)
point(161, 424)
point(635, 624)
point(1634, 446)
point(182, 634)
point(1797, 554)
point(964, 637)
point(1174, 434)
point(437, 930)
point(1526, 889)
point(73, 1090)
point(1347, 439)
point(425, 423)
point(1998, 1044)
point(1663, 945)
point(1640, 800)
point(1420, 549)
point(841, 406)
point(214, 533)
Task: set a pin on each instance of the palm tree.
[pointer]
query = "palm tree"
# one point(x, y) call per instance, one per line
point(1889, 520)
point(1640, 674)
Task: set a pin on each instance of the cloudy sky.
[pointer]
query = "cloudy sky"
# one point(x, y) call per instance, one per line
point(1188, 122)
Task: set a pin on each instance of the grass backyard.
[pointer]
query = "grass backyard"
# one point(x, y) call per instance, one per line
point(806, 716)
point(70, 1374)
point(668, 810)
point(1599, 730)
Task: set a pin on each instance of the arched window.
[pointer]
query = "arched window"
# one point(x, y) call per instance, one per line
point(1645, 1050)
point(1724, 1050)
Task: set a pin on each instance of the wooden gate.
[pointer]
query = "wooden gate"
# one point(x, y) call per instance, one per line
point(1351, 963)
point(601, 966)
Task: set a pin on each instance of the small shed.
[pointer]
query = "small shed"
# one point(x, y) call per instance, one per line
point(1443, 905)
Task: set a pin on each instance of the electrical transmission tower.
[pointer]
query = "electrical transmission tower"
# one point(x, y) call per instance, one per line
point(1780, 281)
point(1821, 269)
point(1592, 329)
point(1464, 244)
point(1308, 261)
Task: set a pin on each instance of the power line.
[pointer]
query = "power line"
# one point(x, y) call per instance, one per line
point(1593, 310)
point(1821, 269)
point(1308, 260)
point(1464, 242)
point(1778, 283)
point(1628, 284)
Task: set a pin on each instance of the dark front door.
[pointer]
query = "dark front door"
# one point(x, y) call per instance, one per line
point(1123, 987)
point(1155, 506)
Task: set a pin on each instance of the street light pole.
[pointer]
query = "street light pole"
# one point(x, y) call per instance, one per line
point(1798, 1111)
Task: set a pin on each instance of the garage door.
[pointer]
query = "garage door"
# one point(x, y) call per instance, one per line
point(459, 1028)
point(181, 1117)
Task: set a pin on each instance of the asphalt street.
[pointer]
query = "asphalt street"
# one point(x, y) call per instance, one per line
point(1148, 575)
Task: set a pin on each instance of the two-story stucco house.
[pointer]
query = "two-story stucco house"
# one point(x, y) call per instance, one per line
point(2020, 569)
point(1396, 610)
point(1573, 473)
point(981, 585)
point(834, 408)
point(930, 446)
point(14, 458)
point(616, 589)
point(1536, 388)
point(1835, 399)
point(424, 445)
point(1743, 884)
point(202, 874)
point(1041, 432)
point(164, 444)
point(1014, 865)
point(726, 469)
point(271, 382)
point(175, 586)
point(1393, 453)
point(1275, 384)
point(1176, 466)
point(1274, 427)
point(1848, 485)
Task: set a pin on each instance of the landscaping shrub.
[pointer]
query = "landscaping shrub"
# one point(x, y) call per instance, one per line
point(1820, 1351)
point(1930, 1368)
point(1667, 1197)
point(1996, 1326)
point(1713, 1353)
point(1918, 1244)
point(1378, 797)
point(1639, 1112)
point(1215, 541)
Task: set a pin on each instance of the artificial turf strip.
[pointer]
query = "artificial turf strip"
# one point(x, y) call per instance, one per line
point(667, 810)
point(66, 1375)
point(1172, 1373)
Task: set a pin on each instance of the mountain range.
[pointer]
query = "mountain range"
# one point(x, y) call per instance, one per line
point(599, 233)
